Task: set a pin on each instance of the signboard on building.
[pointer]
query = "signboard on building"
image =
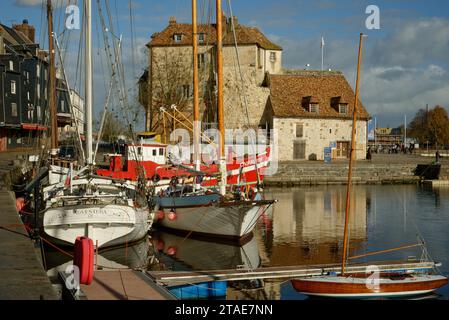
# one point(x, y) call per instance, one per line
point(327, 154)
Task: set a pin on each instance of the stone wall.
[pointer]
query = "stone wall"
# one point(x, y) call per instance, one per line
point(171, 67)
point(317, 173)
point(317, 134)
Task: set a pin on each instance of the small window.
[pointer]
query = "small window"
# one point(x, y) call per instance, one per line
point(11, 65)
point(28, 95)
point(139, 151)
point(201, 37)
point(186, 92)
point(154, 152)
point(313, 108)
point(272, 56)
point(39, 114)
point(14, 109)
point(38, 90)
point(177, 37)
point(201, 59)
point(63, 105)
point(28, 76)
point(343, 108)
point(299, 130)
point(13, 87)
point(38, 70)
point(161, 151)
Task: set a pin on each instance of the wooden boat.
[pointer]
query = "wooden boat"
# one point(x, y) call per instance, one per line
point(352, 286)
point(384, 284)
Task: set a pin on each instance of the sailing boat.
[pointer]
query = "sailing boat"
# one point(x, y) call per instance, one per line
point(346, 285)
point(209, 213)
point(109, 212)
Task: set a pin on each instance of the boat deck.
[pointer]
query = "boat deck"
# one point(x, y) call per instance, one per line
point(22, 276)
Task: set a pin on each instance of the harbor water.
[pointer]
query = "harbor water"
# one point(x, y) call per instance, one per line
point(305, 227)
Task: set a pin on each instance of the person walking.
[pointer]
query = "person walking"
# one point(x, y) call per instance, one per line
point(437, 157)
point(368, 154)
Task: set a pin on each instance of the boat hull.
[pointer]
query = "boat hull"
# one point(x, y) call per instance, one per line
point(347, 287)
point(109, 224)
point(203, 215)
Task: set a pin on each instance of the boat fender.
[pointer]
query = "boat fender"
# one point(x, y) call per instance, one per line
point(84, 259)
point(160, 215)
point(20, 203)
point(171, 250)
point(172, 216)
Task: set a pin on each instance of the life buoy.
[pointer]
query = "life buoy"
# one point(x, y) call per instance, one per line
point(84, 259)
point(172, 216)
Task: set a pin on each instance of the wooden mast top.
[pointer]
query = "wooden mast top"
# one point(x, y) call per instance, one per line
point(351, 159)
point(52, 79)
point(220, 96)
point(196, 109)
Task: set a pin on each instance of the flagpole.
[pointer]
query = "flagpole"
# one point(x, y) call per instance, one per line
point(322, 53)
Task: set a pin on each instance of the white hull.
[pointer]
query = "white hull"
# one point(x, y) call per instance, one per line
point(108, 224)
point(216, 220)
point(373, 295)
point(57, 174)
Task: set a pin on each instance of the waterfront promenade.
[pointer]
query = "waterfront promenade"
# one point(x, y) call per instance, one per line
point(382, 169)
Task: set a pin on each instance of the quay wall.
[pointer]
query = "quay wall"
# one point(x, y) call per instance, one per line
point(319, 173)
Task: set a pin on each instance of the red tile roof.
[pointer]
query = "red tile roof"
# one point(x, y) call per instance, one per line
point(290, 95)
point(245, 36)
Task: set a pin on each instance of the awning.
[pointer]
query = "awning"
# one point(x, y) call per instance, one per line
point(34, 127)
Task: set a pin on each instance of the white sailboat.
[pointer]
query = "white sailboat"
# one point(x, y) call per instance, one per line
point(109, 212)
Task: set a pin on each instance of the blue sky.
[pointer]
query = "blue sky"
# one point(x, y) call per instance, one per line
point(405, 66)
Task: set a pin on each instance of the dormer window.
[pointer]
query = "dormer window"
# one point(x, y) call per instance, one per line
point(313, 107)
point(177, 37)
point(343, 108)
point(201, 37)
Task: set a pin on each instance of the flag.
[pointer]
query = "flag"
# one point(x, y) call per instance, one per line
point(68, 179)
point(322, 42)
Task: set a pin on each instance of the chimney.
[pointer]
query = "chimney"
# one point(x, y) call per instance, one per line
point(27, 30)
point(172, 21)
point(229, 23)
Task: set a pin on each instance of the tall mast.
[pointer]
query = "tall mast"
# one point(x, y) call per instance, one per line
point(196, 109)
point(220, 98)
point(351, 159)
point(88, 83)
point(52, 80)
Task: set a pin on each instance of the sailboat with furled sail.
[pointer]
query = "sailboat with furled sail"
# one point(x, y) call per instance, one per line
point(371, 284)
point(109, 211)
point(192, 209)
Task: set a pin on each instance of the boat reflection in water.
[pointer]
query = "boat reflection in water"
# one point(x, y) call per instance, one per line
point(187, 253)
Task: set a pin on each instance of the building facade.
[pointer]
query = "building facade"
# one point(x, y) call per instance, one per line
point(24, 111)
point(168, 79)
point(311, 111)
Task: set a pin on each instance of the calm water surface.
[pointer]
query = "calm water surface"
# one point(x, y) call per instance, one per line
point(304, 227)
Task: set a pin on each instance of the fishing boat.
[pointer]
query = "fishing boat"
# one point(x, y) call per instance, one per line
point(382, 284)
point(110, 212)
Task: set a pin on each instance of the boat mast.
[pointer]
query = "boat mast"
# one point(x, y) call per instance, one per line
point(196, 109)
point(351, 159)
point(220, 98)
point(52, 80)
point(88, 83)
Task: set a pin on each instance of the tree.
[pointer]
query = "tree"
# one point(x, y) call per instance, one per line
point(112, 127)
point(432, 126)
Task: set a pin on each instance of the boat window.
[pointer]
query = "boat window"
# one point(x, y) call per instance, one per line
point(161, 151)
point(139, 151)
point(154, 152)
